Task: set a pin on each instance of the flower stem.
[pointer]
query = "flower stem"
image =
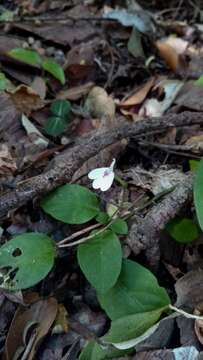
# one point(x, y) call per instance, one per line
point(122, 182)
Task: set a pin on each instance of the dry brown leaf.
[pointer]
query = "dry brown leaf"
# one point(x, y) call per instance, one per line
point(195, 143)
point(99, 104)
point(178, 44)
point(199, 323)
point(190, 96)
point(29, 326)
point(7, 163)
point(139, 96)
point(26, 99)
point(189, 289)
point(169, 55)
point(75, 92)
point(39, 86)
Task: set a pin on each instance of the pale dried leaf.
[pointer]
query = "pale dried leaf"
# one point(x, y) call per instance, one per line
point(26, 99)
point(139, 96)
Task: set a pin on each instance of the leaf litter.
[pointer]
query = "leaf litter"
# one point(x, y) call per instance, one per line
point(117, 64)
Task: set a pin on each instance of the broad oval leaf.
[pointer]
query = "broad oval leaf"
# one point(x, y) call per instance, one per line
point(100, 260)
point(136, 291)
point(54, 69)
point(54, 126)
point(25, 260)
point(198, 193)
point(94, 351)
point(120, 226)
point(183, 230)
point(27, 56)
point(61, 108)
point(132, 326)
point(71, 203)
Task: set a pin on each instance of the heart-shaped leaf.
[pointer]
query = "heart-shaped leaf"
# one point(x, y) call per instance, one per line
point(72, 204)
point(27, 56)
point(136, 291)
point(25, 260)
point(100, 260)
point(54, 69)
point(61, 108)
point(54, 126)
point(183, 230)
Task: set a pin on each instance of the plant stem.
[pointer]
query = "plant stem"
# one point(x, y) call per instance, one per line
point(80, 241)
point(184, 313)
point(78, 233)
point(122, 182)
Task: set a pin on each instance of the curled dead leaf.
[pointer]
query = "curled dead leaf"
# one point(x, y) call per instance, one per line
point(99, 104)
point(199, 323)
point(169, 55)
point(28, 328)
point(26, 99)
point(139, 96)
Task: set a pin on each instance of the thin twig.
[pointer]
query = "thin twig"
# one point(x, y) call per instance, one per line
point(78, 233)
point(88, 237)
point(184, 313)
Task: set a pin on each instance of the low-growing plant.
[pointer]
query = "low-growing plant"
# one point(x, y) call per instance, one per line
point(128, 292)
point(57, 123)
point(31, 57)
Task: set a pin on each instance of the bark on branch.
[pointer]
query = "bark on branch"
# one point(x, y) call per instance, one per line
point(145, 232)
point(72, 159)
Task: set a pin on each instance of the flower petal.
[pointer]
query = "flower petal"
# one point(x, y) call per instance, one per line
point(99, 172)
point(106, 182)
point(97, 183)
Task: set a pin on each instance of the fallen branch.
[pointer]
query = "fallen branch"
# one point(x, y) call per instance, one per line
point(145, 232)
point(65, 165)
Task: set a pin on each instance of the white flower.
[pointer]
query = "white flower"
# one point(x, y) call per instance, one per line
point(103, 177)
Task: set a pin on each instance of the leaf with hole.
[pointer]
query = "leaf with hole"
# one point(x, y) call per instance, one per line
point(136, 291)
point(61, 108)
point(54, 69)
point(72, 204)
point(198, 193)
point(55, 126)
point(182, 230)
point(25, 260)
point(27, 56)
point(100, 260)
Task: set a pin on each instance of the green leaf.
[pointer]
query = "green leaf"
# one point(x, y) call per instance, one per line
point(61, 108)
point(71, 203)
point(25, 260)
point(93, 351)
point(102, 218)
point(183, 230)
point(100, 260)
point(55, 126)
point(131, 326)
point(193, 164)
point(136, 291)
point(27, 56)
point(119, 226)
point(198, 193)
point(135, 44)
point(199, 81)
point(54, 69)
